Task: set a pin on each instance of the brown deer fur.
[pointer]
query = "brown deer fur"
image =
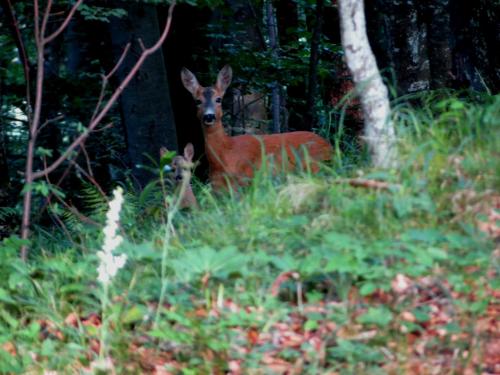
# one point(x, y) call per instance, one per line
point(234, 159)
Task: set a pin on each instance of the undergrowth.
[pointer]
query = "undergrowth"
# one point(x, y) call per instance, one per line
point(299, 273)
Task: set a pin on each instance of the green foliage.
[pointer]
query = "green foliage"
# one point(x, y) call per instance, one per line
point(216, 269)
point(96, 13)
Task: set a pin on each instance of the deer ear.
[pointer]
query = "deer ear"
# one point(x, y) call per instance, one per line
point(224, 78)
point(163, 151)
point(189, 81)
point(189, 152)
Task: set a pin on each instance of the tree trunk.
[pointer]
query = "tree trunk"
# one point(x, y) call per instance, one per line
point(379, 130)
point(401, 36)
point(147, 113)
point(312, 91)
point(273, 46)
point(436, 14)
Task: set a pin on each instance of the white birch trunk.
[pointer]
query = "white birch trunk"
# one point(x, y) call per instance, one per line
point(379, 129)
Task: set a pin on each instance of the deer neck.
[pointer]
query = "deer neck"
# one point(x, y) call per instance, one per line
point(217, 142)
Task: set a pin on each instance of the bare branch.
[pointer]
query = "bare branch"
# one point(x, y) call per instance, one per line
point(92, 180)
point(141, 43)
point(45, 19)
point(120, 61)
point(50, 121)
point(36, 21)
point(105, 79)
point(111, 100)
point(87, 160)
point(56, 33)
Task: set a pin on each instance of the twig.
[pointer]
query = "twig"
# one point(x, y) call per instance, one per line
point(119, 62)
point(87, 160)
point(41, 41)
point(111, 100)
point(56, 33)
point(369, 184)
point(50, 121)
point(105, 80)
point(92, 180)
point(45, 18)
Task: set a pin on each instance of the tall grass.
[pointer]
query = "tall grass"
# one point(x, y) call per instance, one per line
point(335, 237)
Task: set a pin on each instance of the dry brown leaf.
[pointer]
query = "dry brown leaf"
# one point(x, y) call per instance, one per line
point(253, 336)
point(284, 276)
point(235, 367)
point(10, 348)
point(92, 320)
point(72, 319)
point(407, 316)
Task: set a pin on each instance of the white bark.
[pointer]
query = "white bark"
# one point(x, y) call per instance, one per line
point(379, 129)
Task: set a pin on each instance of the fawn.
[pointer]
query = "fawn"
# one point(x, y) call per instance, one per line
point(233, 159)
point(182, 166)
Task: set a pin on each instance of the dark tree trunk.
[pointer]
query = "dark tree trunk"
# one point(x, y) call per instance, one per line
point(147, 113)
point(273, 47)
point(476, 61)
point(437, 44)
point(403, 42)
point(185, 43)
point(312, 92)
point(436, 14)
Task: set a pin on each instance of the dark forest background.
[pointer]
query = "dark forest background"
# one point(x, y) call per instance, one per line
point(419, 45)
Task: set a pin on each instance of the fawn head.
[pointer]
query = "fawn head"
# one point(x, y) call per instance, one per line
point(208, 99)
point(182, 165)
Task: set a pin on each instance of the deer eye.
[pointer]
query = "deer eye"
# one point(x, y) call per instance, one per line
point(218, 100)
point(198, 102)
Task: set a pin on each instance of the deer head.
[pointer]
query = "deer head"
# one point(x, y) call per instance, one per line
point(182, 166)
point(208, 99)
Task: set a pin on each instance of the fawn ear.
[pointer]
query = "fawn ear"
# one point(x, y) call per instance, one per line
point(163, 151)
point(189, 81)
point(224, 78)
point(189, 152)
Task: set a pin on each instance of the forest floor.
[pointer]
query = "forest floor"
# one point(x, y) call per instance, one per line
point(351, 271)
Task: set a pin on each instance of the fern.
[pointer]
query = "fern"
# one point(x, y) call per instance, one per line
point(7, 212)
point(93, 198)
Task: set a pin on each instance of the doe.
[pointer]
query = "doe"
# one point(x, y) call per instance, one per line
point(234, 159)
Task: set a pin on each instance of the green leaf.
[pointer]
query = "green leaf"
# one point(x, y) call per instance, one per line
point(380, 316)
point(437, 253)
point(421, 314)
point(9, 319)
point(311, 325)
point(342, 241)
point(5, 297)
point(429, 236)
point(134, 314)
point(367, 289)
point(167, 158)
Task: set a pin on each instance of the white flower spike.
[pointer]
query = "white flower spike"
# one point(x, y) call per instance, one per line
point(109, 264)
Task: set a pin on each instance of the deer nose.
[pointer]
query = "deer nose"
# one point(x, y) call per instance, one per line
point(208, 118)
